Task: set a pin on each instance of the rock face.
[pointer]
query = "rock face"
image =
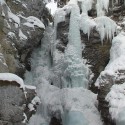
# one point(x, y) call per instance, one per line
point(13, 103)
point(20, 33)
point(103, 104)
point(108, 81)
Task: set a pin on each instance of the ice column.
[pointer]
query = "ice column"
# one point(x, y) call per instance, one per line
point(75, 74)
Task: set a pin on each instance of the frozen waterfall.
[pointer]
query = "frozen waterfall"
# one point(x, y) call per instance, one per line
point(61, 79)
point(75, 74)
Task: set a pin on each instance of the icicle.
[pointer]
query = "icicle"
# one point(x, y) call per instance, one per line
point(86, 24)
point(106, 27)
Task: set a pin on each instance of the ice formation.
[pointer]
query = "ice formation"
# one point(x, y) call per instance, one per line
point(75, 74)
point(87, 24)
point(62, 99)
point(101, 6)
point(86, 5)
point(61, 79)
point(106, 27)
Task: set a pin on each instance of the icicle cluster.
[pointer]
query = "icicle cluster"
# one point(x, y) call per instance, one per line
point(75, 73)
point(106, 27)
point(87, 24)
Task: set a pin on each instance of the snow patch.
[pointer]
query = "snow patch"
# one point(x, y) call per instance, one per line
point(21, 35)
point(15, 18)
point(12, 77)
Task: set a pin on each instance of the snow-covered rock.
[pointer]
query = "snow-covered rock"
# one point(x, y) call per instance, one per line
point(21, 29)
point(12, 77)
point(13, 99)
point(110, 78)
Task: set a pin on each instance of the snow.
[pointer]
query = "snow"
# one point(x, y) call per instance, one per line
point(31, 107)
point(21, 35)
point(25, 118)
point(116, 99)
point(35, 21)
point(15, 18)
point(24, 5)
point(34, 102)
point(11, 34)
point(12, 77)
point(32, 21)
point(52, 6)
point(30, 87)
